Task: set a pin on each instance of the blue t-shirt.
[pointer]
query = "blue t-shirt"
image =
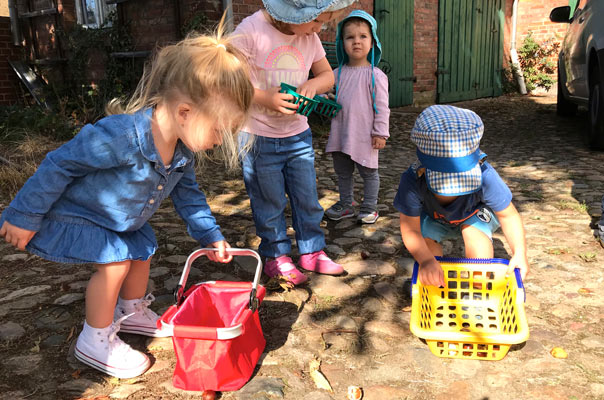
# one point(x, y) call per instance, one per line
point(414, 197)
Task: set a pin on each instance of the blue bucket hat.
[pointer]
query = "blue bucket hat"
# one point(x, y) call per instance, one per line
point(447, 140)
point(302, 11)
point(374, 55)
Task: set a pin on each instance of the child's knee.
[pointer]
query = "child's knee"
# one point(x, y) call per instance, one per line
point(478, 243)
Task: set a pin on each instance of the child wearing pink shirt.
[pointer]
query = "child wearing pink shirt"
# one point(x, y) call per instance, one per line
point(282, 45)
point(360, 129)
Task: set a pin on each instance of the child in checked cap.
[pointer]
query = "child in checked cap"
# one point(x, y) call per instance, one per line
point(451, 190)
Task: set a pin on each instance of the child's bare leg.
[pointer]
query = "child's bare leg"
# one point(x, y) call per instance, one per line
point(476, 242)
point(102, 291)
point(135, 283)
point(435, 247)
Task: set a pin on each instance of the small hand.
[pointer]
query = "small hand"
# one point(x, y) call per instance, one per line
point(431, 273)
point(221, 255)
point(281, 101)
point(307, 89)
point(521, 262)
point(16, 236)
point(378, 142)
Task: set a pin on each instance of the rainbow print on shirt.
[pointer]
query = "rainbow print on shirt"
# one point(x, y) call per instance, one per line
point(284, 63)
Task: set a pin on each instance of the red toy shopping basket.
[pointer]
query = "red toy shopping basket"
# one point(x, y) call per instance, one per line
point(217, 334)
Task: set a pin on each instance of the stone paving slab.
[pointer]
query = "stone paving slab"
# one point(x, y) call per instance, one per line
point(357, 324)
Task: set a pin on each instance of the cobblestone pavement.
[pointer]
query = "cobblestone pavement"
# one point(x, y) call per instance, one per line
point(358, 324)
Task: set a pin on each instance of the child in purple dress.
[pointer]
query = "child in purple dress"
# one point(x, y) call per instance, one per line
point(360, 129)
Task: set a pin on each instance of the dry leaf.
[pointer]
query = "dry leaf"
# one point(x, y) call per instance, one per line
point(36, 348)
point(354, 393)
point(71, 333)
point(320, 380)
point(208, 395)
point(114, 381)
point(558, 352)
point(277, 282)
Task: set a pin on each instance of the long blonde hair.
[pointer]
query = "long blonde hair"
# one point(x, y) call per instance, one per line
point(198, 67)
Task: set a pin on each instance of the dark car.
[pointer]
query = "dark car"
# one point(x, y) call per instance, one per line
point(581, 64)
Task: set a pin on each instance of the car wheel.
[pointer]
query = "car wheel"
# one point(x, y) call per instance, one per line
point(596, 111)
point(564, 107)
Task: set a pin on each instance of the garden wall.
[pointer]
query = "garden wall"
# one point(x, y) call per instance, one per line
point(9, 83)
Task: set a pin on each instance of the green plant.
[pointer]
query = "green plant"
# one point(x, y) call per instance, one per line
point(18, 122)
point(89, 54)
point(536, 62)
point(197, 22)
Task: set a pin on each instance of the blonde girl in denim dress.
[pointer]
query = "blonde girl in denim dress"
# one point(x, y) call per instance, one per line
point(282, 45)
point(90, 200)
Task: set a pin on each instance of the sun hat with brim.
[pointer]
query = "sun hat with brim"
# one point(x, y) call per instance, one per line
point(302, 11)
point(374, 55)
point(447, 140)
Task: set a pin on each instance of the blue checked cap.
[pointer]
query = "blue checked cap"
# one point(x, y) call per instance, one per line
point(447, 140)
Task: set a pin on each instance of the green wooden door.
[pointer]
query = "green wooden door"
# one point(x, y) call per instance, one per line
point(470, 49)
point(395, 30)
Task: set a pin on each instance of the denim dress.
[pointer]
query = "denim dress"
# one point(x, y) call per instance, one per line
point(90, 200)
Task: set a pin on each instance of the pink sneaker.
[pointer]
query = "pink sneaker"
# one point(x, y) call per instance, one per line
point(284, 266)
point(319, 262)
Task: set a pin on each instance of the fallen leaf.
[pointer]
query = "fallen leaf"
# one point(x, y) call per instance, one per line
point(277, 282)
point(558, 352)
point(71, 333)
point(94, 398)
point(354, 393)
point(208, 395)
point(320, 380)
point(36, 348)
point(114, 381)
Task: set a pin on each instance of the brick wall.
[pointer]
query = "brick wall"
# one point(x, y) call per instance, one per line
point(425, 50)
point(9, 83)
point(533, 15)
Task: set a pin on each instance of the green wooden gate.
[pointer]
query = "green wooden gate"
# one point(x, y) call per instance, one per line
point(395, 30)
point(470, 49)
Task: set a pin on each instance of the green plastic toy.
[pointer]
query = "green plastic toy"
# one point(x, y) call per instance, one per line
point(306, 105)
point(326, 107)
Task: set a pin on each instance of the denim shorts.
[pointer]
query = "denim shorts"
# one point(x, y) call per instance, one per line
point(484, 220)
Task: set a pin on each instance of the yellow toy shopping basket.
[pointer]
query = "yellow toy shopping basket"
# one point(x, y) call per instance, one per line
point(477, 315)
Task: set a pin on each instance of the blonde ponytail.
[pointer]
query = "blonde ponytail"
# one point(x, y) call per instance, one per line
point(198, 67)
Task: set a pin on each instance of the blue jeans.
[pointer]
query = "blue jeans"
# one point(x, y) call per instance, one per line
point(274, 168)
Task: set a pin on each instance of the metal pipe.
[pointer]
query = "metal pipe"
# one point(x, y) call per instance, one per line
point(227, 6)
point(516, 69)
point(14, 23)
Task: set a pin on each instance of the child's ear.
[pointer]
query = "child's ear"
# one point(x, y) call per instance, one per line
point(182, 113)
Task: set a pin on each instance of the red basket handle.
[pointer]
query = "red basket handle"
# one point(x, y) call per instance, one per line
point(180, 288)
